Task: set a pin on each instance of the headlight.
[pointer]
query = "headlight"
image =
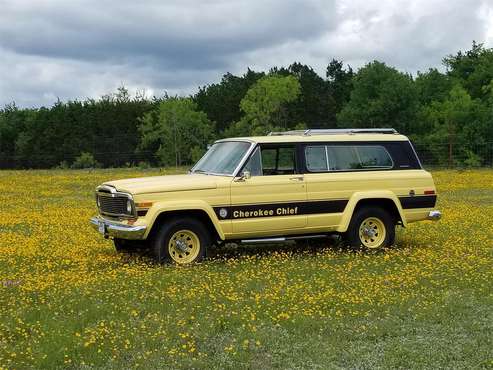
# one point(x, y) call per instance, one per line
point(129, 207)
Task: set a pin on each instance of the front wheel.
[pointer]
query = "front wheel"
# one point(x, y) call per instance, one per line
point(181, 241)
point(371, 228)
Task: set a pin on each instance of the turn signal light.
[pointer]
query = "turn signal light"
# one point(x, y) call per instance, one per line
point(144, 205)
point(429, 192)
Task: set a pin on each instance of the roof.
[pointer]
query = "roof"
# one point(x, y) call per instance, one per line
point(336, 135)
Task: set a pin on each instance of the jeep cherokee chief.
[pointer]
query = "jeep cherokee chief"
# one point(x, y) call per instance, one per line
point(358, 183)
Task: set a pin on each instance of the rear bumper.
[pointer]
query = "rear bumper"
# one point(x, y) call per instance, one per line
point(434, 215)
point(117, 230)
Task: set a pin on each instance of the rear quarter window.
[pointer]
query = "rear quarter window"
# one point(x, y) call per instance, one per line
point(323, 158)
point(403, 155)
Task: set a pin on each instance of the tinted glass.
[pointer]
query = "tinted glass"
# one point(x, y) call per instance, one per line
point(343, 158)
point(272, 161)
point(254, 164)
point(269, 161)
point(316, 158)
point(346, 157)
point(285, 164)
point(374, 157)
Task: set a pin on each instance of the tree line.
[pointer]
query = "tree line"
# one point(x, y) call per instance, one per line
point(451, 110)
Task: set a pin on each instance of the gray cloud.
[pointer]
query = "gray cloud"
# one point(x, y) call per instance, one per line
point(81, 49)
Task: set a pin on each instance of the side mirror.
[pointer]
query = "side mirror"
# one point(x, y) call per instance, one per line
point(244, 176)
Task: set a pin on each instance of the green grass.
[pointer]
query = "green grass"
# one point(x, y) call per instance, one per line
point(69, 301)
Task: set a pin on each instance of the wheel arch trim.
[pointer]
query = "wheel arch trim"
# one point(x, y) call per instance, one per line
point(357, 197)
point(161, 208)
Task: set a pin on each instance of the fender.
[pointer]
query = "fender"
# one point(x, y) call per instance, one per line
point(182, 205)
point(361, 195)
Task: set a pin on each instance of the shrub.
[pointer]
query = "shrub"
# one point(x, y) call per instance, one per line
point(196, 153)
point(143, 165)
point(85, 160)
point(63, 165)
point(472, 159)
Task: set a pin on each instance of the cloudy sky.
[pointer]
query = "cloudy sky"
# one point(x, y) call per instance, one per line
point(72, 49)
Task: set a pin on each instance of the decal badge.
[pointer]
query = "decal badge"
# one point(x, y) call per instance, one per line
point(223, 212)
point(280, 209)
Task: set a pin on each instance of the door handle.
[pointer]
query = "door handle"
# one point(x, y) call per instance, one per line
point(296, 178)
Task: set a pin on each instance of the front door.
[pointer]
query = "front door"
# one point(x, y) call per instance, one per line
point(267, 202)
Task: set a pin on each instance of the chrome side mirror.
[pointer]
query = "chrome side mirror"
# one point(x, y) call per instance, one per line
point(245, 175)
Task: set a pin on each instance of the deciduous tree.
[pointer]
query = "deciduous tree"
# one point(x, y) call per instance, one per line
point(381, 97)
point(176, 130)
point(264, 105)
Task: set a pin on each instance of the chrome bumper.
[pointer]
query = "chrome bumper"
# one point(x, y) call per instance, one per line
point(116, 230)
point(434, 215)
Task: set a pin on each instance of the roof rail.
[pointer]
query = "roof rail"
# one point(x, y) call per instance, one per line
point(335, 131)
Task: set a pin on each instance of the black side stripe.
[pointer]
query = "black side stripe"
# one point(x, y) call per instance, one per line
point(280, 209)
point(419, 201)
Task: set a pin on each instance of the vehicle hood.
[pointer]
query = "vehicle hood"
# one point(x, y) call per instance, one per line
point(157, 184)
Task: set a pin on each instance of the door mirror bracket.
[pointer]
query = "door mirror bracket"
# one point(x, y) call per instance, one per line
point(245, 175)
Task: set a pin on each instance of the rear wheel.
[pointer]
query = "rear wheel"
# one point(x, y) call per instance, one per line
point(371, 228)
point(181, 241)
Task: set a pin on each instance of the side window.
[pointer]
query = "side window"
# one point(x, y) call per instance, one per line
point(268, 161)
point(316, 158)
point(343, 158)
point(374, 157)
point(323, 158)
point(269, 158)
point(254, 164)
point(358, 157)
point(285, 161)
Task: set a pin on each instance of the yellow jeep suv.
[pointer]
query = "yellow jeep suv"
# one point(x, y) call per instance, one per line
point(358, 183)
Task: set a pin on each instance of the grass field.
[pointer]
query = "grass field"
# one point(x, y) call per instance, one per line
point(69, 301)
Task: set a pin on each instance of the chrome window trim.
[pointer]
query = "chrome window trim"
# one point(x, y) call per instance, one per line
point(246, 157)
point(210, 174)
point(255, 149)
point(326, 157)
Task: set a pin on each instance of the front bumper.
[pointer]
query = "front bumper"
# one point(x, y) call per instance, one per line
point(434, 215)
point(117, 230)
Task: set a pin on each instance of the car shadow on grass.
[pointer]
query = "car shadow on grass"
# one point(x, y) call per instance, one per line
point(309, 247)
point(302, 247)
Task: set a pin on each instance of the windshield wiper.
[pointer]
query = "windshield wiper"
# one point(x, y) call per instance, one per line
point(199, 171)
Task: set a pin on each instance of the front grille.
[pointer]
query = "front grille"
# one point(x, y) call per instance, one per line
point(113, 205)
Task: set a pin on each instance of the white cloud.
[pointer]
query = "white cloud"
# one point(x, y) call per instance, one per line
point(82, 49)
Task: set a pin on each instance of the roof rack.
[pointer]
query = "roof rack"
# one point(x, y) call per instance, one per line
point(335, 131)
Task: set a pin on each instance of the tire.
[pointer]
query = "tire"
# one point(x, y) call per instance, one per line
point(181, 241)
point(371, 228)
point(124, 245)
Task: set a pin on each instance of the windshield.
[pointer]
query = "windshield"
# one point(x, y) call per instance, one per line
point(222, 158)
